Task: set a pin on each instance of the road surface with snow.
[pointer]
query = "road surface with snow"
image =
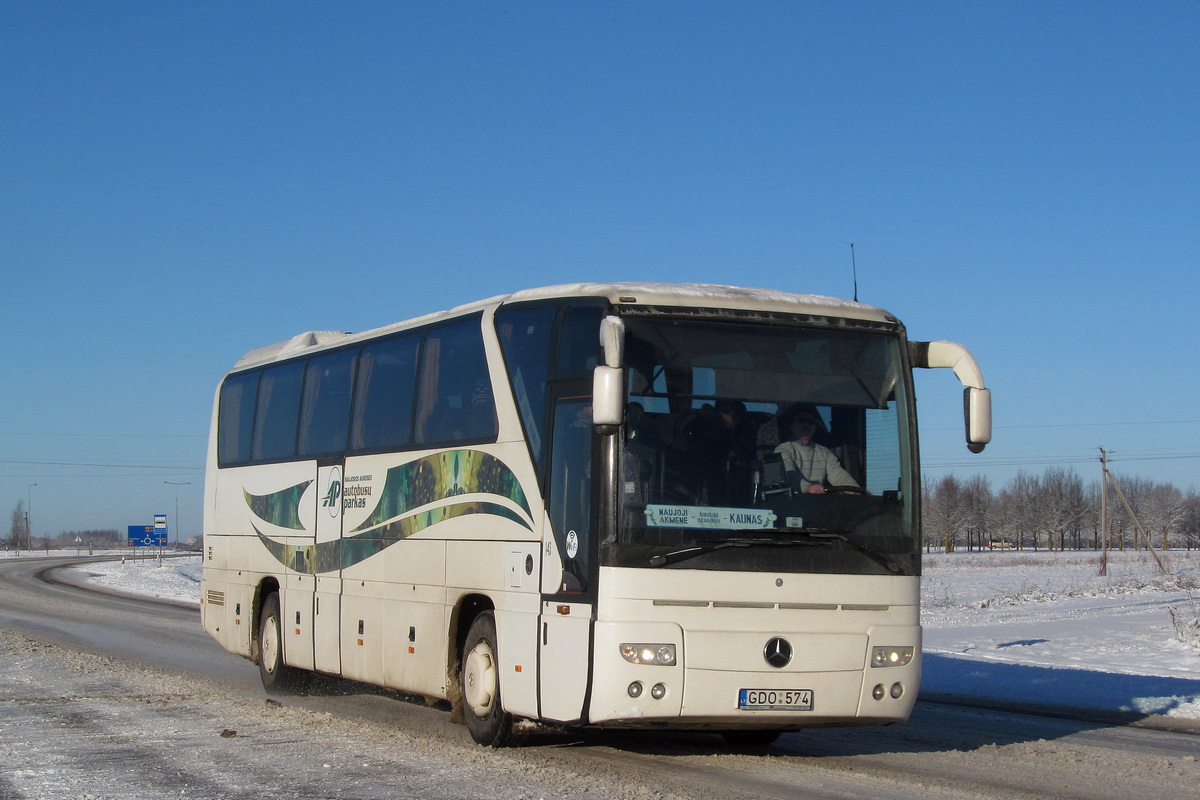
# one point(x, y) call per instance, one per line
point(182, 718)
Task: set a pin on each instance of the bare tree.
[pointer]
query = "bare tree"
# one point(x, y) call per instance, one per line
point(1190, 523)
point(1059, 504)
point(1056, 503)
point(17, 531)
point(1002, 517)
point(1162, 511)
point(1136, 491)
point(1091, 516)
point(977, 503)
point(1023, 493)
point(946, 512)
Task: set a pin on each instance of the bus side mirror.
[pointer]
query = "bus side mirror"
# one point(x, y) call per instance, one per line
point(977, 401)
point(608, 398)
point(977, 416)
point(612, 341)
point(608, 386)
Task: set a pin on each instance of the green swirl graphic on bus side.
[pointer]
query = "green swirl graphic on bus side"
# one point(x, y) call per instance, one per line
point(402, 509)
point(281, 508)
point(455, 472)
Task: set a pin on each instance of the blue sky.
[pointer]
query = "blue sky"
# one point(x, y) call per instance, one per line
point(180, 183)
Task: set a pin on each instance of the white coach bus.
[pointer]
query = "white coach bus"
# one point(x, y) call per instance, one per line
point(620, 505)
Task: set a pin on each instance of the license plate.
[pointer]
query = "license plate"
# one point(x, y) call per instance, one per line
point(775, 700)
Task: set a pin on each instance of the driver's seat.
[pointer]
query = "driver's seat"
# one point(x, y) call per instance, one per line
point(770, 478)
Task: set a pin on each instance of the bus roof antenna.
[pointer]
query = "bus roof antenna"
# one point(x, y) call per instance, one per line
point(854, 271)
point(853, 268)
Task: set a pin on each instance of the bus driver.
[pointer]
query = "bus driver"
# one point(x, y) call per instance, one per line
point(809, 466)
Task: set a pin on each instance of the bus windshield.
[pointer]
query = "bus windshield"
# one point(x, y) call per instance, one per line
point(752, 447)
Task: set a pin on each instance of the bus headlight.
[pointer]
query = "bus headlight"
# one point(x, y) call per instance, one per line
point(661, 654)
point(891, 656)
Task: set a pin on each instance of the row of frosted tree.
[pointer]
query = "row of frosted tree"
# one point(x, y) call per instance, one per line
point(18, 537)
point(1057, 510)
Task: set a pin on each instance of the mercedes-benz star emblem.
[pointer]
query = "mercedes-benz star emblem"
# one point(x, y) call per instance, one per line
point(778, 652)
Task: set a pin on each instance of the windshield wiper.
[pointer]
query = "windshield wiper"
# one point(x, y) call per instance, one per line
point(709, 546)
point(878, 558)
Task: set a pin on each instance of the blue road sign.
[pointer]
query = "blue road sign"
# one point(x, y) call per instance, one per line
point(147, 536)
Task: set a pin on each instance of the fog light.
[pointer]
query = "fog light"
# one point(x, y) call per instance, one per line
point(878, 691)
point(891, 656)
point(897, 690)
point(635, 689)
point(658, 691)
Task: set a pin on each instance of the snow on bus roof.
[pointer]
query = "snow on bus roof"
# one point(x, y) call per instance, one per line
point(691, 294)
point(628, 293)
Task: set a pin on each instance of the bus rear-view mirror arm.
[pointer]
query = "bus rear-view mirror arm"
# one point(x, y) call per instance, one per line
point(977, 400)
point(608, 386)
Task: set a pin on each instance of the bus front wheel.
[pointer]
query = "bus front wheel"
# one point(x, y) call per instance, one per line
point(490, 725)
point(276, 675)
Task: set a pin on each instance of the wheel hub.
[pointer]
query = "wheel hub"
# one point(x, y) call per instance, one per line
point(480, 679)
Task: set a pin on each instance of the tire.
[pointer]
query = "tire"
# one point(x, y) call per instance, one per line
point(276, 676)
point(750, 740)
point(490, 725)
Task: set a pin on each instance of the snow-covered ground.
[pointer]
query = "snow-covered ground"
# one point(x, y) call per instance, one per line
point(1045, 627)
point(1028, 627)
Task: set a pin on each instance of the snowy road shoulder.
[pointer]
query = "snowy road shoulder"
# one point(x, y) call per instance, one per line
point(174, 579)
point(1047, 629)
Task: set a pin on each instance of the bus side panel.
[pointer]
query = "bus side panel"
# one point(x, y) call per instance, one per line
point(565, 639)
point(296, 612)
point(413, 642)
point(517, 630)
point(228, 596)
point(497, 569)
point(275, 503)
point(362, 631)
point(397, 596)
point(221, 597)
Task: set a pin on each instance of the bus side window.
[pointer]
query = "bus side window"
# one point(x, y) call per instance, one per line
point(455, 400)
point(325, 412)
point(383, 404)
point(579, 342)
point(571, 491)
point(278, 412)
point(526, 335)
point(236, 421)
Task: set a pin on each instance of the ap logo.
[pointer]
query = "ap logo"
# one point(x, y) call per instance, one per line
point(333, 496)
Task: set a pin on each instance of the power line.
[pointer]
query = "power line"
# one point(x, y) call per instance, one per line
point(102, 464)
point(1073, 425)
point(110, 435)
point(76, 476)
point(1048, 460)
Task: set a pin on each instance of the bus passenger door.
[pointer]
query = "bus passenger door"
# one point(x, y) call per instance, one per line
point(327, 610)
point(565, 628)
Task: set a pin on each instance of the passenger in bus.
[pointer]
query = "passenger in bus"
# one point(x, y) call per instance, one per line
point(720, 444)
point(809, 466)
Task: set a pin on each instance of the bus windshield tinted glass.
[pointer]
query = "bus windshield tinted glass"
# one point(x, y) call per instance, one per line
point(755, 447)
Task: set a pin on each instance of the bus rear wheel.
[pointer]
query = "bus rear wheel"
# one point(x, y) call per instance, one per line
point(490, 725)
point(276, 675)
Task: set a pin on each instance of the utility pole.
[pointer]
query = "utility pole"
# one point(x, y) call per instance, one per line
point(28, 532)
point(1104, 510)
point(177, 485)
point(1137, 526)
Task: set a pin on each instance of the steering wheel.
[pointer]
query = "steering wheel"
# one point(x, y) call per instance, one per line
point(845, 490)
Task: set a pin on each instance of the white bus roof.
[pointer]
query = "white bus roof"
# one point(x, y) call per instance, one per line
point(682, 295)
